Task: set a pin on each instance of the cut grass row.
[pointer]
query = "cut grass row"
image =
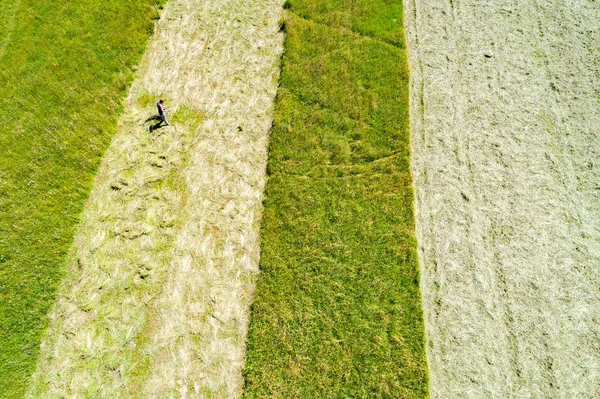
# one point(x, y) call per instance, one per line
point(65, 69)
point(337, 311)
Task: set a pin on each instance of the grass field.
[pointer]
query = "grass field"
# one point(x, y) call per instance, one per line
point(65, 69)
point(156, 300)
point(337, 312)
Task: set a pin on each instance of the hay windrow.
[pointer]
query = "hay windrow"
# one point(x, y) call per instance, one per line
point(505, 142)
point(156, 301)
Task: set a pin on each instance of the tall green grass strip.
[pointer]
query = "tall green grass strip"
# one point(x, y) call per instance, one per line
point(505, 115)
point(156, 302)
point(337, 312)
point(65, 70)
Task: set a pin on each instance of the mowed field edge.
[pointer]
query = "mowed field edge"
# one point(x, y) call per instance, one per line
point(337, 311)
point(65, 71)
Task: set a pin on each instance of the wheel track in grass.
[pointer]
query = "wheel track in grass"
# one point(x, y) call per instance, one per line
point(161, 275)
point(7, 33)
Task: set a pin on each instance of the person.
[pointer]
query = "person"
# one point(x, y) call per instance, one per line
point(162, 111)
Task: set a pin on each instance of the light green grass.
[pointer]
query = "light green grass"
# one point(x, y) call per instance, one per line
point(337, 312)
point(65, 69)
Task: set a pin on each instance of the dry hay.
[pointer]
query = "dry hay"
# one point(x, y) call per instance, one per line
point(156, 300)
point(505, 114)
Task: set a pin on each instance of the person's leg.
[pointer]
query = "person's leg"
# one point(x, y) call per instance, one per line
point(164, 118)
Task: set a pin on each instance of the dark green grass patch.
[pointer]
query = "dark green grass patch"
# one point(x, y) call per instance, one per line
point(381, 19)
point(337, 312)
point(65, 69)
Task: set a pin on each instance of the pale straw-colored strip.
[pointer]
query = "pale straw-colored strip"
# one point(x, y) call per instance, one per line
point(156, 302)
point(505, 117)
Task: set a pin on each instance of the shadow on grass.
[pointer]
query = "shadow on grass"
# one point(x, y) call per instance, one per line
point(156, 126)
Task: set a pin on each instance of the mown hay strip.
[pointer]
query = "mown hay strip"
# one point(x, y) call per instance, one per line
point(506, 142)
point(157, 297)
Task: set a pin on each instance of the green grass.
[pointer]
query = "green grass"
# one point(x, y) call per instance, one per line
point(337, 312)
point(379, 19)
point(65, 69)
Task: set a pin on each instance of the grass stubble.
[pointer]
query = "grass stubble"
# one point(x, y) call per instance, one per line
point(337, 311)
point(506, 142)
point(156, 300)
